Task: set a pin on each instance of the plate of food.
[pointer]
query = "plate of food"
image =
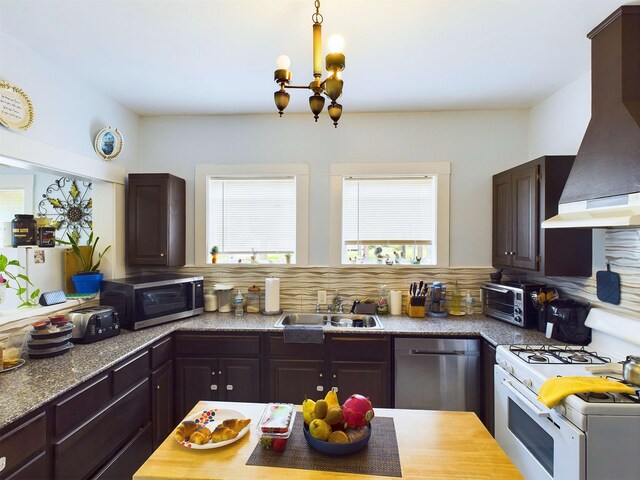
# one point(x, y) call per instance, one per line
point(213, 428)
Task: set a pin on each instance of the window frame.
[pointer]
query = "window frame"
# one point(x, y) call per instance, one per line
point(440, 170)
point(299, 171)
point(21, 182)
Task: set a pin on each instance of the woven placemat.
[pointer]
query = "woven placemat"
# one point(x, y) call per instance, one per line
point(380, 457)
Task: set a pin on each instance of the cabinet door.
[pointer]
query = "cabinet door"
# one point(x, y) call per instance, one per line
point(502, 220)
point(196, 379)
point(526, 218)
point(162, 403)
point(488, 361)
point(239, 379)
point(370, 379)
point(292, 380)
point(147, 220)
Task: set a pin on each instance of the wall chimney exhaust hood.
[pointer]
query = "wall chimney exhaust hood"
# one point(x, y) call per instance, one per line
point(603, 188)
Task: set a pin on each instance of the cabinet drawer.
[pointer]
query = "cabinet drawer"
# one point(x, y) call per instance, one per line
point(161, 352)
point(130, 458)
point(277, 348)
point(204, 345)
point(24, 441)
point(103, 435)
point(68, 413)
point(359, 348)
point(130, 372)
point(36, 469)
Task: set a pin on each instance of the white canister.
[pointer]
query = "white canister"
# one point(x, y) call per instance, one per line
point(225, 299)
point(210, 300)
point(395, 302)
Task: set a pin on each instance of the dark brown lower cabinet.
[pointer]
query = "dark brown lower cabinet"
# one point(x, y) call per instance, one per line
point(22, 449)
point(370, 379)
point(129, 459)
point(224, 379)
point(35, 469)
point(291, 381)
point(162, 403)
point(488, 361)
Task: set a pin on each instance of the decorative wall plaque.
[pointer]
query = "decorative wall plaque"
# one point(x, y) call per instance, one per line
point(108, 143)
point(16, 110)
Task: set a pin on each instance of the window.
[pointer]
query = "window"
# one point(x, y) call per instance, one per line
point(252, 213)
point(16, 196)
point(252, 217)
point(390, 214)
point(379, 223)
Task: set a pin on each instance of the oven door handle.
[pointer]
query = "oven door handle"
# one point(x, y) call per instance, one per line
point(536, 411)
point(496, 289)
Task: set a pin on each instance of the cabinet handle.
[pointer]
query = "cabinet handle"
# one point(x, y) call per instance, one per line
point(219, 372)
point(157, 387)
point(320, 375)
point(334, 389)
point(506, 253)
point(162, 254)
point(3, 463)
point(213, 373)
point(229, 387)
point(320, 388)
point(334, 376)
point(214, 387)
point(512, 253)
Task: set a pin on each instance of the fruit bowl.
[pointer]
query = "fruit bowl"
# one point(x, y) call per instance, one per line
point(329, 448)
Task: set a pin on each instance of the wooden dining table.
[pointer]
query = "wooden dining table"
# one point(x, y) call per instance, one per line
point(431, 445)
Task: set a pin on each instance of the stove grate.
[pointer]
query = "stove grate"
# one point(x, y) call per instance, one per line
point(557, 354)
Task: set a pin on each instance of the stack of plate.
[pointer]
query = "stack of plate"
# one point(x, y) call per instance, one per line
point(51, 341)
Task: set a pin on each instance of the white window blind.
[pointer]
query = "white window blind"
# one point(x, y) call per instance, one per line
point(11, 202)
point(387, 211)
point(245, 214)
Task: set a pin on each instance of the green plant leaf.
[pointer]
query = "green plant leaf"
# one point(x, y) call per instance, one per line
point(73, 191)
point(55, 202)
point(35, 294)
point(25, 278)
point(3, 262)
point(21, 290)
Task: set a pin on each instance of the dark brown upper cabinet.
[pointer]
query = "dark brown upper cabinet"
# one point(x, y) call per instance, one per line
point(523, 197)
point(155, 220)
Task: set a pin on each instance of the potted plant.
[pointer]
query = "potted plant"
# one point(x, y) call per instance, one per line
point(378, 253)
point(214, 254)
point(12, 280)
point(87, 280)
point(287, 257)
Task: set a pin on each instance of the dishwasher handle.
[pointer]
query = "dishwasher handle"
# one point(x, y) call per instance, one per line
point(458, 353)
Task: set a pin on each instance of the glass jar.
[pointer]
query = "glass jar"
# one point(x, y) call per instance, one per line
point(382, 307)
point(23, 230)
point(210, 300)
point(253, 300)
point(225, 297)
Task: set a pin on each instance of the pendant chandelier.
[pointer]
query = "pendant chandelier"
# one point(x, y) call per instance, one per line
point(331, 86)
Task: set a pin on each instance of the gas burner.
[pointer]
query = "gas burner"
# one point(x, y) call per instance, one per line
point(535, 358)
point(578, 358)
point(597, 395)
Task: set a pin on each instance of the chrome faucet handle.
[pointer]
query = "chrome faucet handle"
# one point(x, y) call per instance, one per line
point(318, 308)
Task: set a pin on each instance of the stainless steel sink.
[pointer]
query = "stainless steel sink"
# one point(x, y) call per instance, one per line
point(330, 320)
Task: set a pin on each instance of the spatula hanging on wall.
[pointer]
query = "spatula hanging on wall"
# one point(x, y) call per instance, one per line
point(608, 286)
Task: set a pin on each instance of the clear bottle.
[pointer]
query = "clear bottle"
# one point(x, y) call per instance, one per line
point(468, 302)
point(238, 304)
point(382, 307)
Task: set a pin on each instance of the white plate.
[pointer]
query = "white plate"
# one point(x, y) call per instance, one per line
point(211, 419)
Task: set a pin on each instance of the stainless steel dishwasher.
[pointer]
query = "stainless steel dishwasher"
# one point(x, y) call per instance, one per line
point(437, 374)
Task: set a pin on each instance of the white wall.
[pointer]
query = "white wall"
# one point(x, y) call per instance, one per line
point(557, 124)
point(68, 111)
point(478, 144)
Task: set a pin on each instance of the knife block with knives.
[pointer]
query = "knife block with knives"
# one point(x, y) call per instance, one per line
point(417, 300)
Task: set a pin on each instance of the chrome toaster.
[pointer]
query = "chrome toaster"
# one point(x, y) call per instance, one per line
point(94, 323)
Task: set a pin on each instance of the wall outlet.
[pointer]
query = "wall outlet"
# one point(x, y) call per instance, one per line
point(322, 297)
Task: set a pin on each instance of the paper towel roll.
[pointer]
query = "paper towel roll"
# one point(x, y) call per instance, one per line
point(395, 302)
point(272, 295)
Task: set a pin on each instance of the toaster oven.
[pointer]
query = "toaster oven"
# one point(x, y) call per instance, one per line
point(510, 302)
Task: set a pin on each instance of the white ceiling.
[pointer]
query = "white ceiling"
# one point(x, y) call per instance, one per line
point(188, 57)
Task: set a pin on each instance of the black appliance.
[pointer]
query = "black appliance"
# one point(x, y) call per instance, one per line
point(93, 323)
point(146, 300)
point(566, 321)
point(510, 302)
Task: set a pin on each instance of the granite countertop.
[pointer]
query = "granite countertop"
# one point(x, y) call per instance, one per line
point(39, 381)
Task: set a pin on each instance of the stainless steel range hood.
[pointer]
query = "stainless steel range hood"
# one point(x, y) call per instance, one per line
point(603, 188)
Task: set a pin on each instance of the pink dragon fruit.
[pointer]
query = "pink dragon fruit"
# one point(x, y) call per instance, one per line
point(357, 411)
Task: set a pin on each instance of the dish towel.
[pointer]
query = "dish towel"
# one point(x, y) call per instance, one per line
point(554, 390)
point(296, 334)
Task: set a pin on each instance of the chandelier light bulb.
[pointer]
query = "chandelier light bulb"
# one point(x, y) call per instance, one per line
point(284, 62)
point(336, 43)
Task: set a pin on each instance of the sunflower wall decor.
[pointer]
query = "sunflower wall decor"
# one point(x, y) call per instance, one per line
point(72, 207)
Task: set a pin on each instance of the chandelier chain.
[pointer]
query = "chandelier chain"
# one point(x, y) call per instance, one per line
point(317, 17)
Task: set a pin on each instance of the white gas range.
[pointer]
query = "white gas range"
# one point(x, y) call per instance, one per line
point(585, 437)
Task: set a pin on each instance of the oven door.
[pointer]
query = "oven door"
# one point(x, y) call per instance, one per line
point(163, 300)
point(541, 443)
point(499, 303)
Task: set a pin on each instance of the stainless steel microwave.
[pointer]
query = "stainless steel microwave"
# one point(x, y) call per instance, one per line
point(146, 300)
point(510, 302)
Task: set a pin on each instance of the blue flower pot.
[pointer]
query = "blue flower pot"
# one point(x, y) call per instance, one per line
point(87, 282)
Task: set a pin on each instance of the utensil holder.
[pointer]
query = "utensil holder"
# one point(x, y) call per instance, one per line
point(416, 311)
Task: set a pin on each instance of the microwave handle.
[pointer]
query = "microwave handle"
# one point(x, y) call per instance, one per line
point(494, 289)
point(522, 398)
